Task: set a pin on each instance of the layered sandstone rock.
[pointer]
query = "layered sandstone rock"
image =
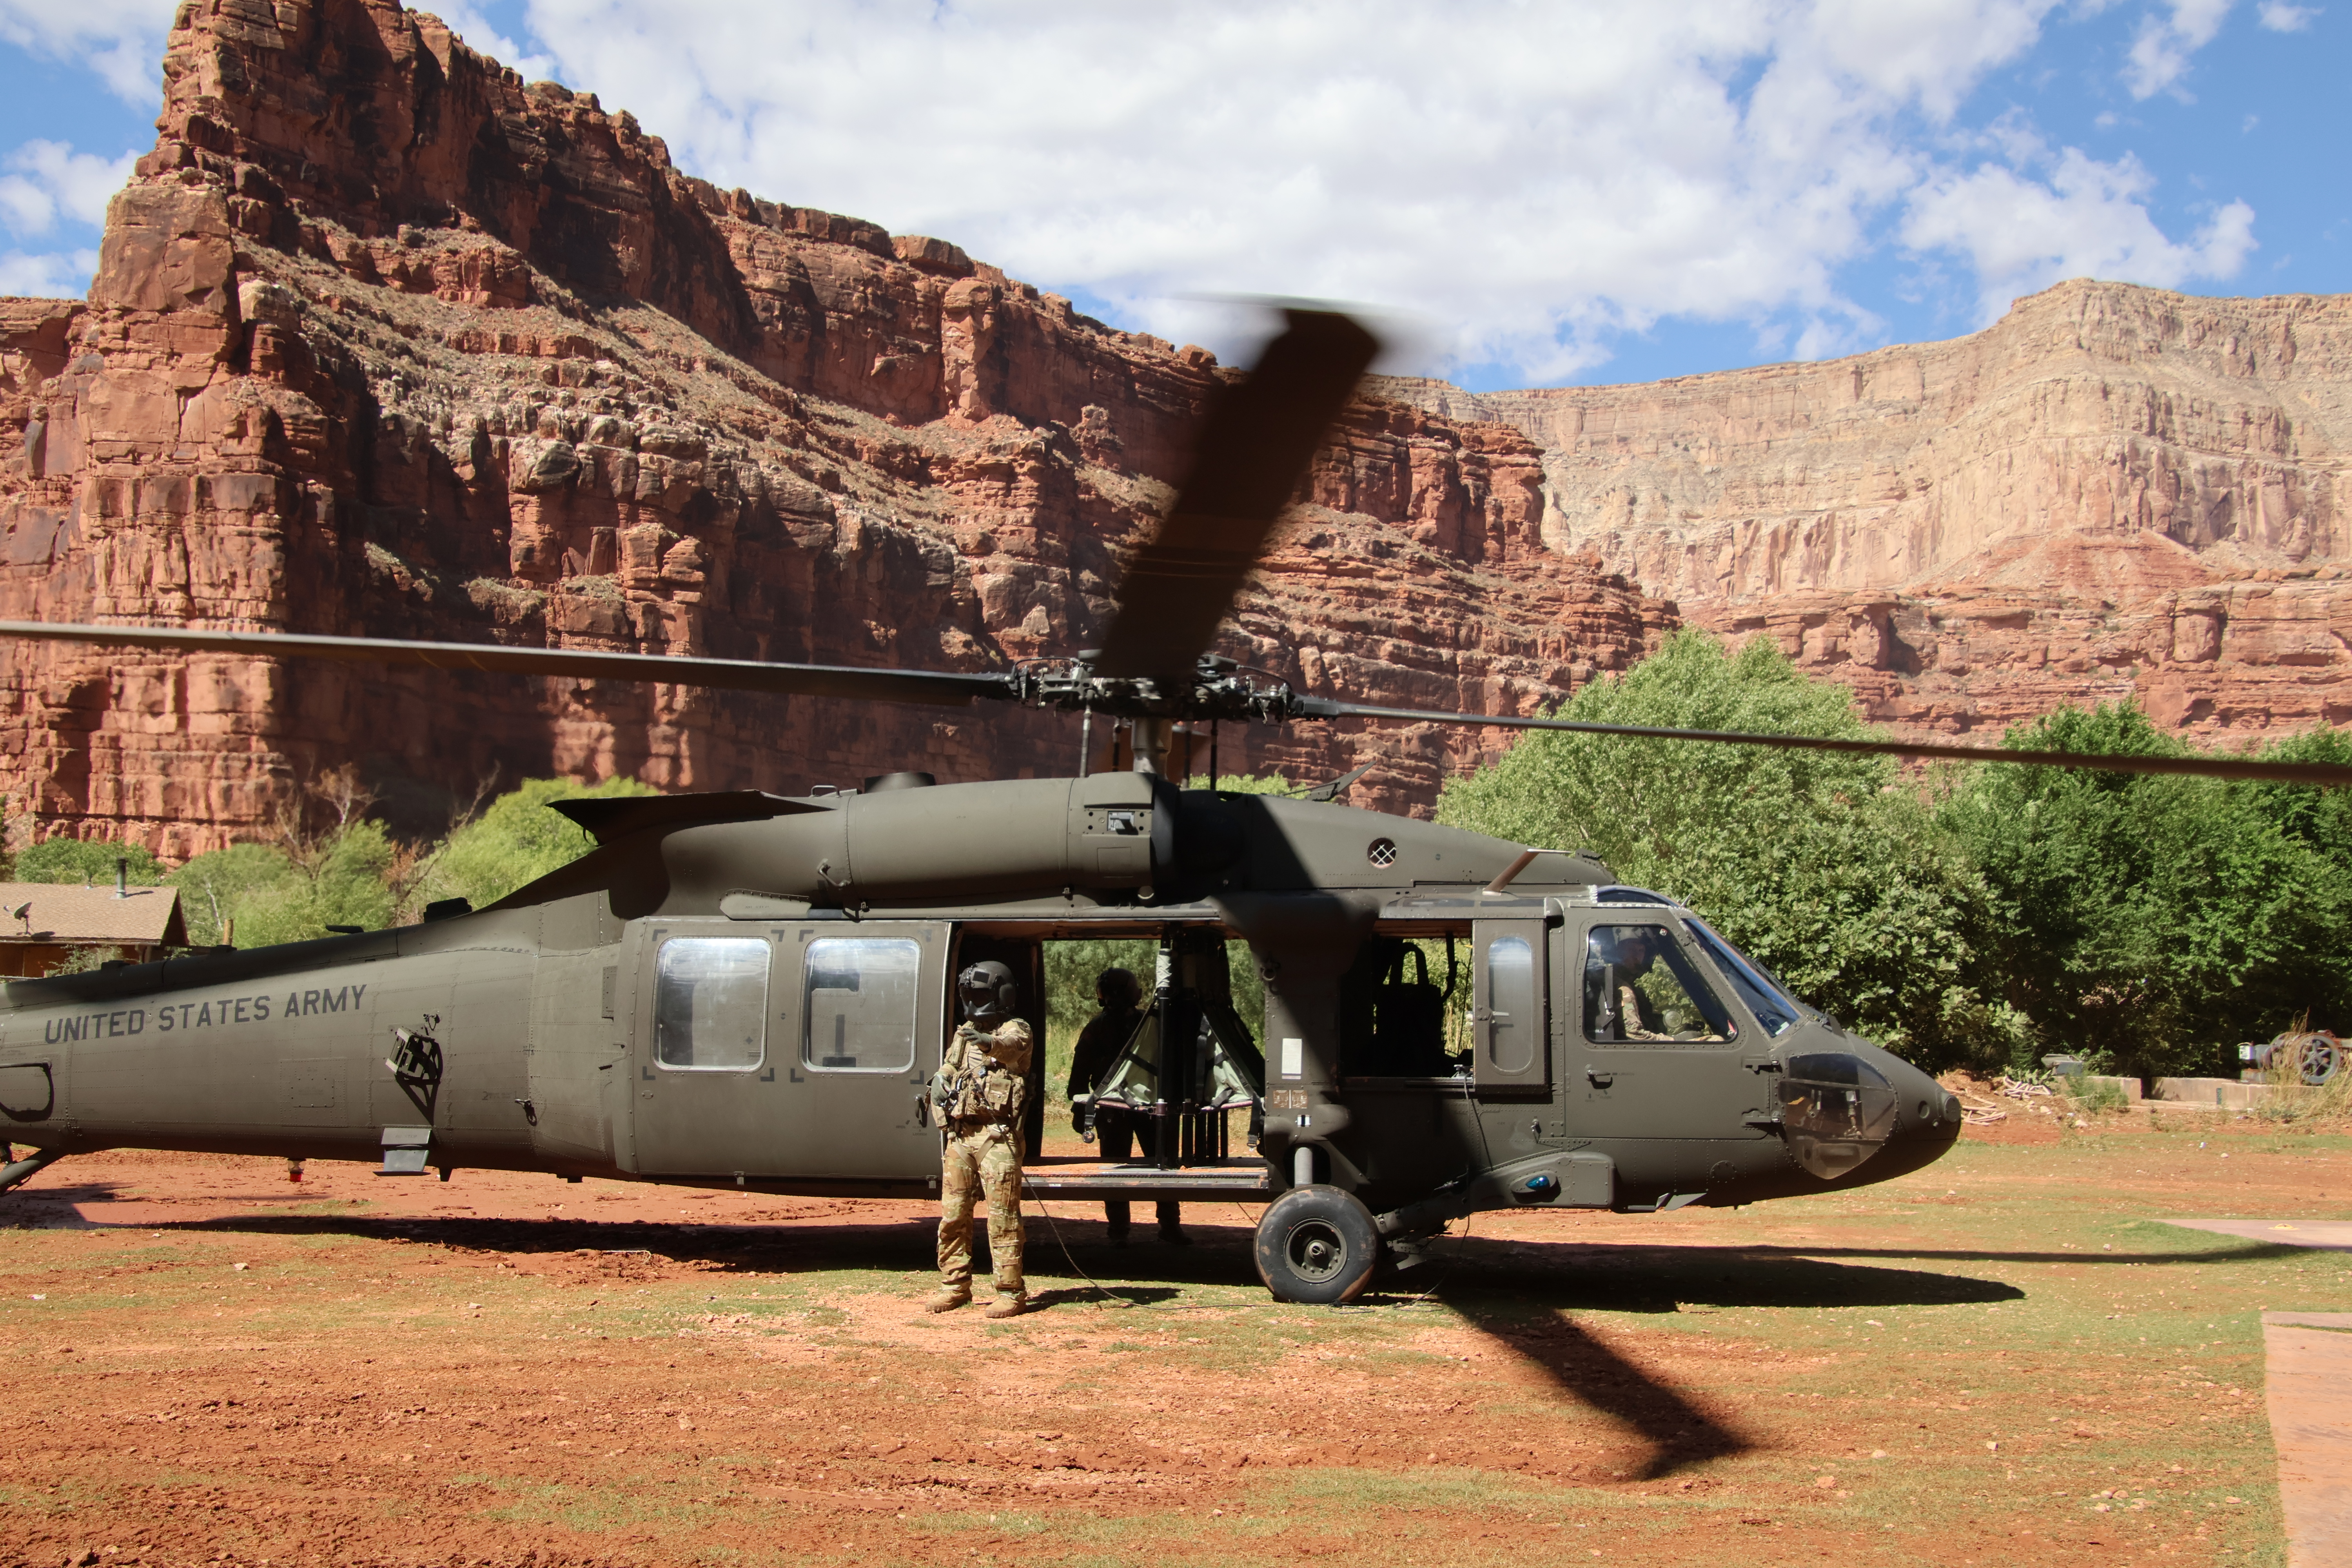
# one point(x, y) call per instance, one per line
point(2113, 492)
point(383, 341)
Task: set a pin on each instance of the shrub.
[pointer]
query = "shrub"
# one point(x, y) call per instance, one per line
point(91, 860)
point(1821, 865)
point(517, 840)
point(269, 897)
point(2155, 919)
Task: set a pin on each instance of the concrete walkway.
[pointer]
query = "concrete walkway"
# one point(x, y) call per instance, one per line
point(2307, 1382)
point(2319, 1235)
point(2307, 1388)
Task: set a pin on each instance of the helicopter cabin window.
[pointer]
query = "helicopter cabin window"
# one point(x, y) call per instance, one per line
point(1398, 1016)
point(1512, 1015)
point(860, 993)
point(1640, 987)
point(711, 1003)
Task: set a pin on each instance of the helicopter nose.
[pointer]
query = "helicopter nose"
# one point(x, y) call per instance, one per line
point(1927, 1115)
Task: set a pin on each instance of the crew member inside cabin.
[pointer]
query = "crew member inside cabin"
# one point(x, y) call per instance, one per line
point(1118, 995)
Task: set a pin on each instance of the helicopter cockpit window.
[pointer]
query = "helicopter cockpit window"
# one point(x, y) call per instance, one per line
point(1772, 1005)
point(711, 1003)
point(861, 995)
point(1640, 986)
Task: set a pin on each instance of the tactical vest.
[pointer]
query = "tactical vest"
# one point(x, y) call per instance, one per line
point(987, 1074)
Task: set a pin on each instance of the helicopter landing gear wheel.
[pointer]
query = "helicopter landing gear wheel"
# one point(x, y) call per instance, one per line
point(1317, 1244)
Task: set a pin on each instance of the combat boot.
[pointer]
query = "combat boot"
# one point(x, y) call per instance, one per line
point(1009, 1305)
point(948, 1298)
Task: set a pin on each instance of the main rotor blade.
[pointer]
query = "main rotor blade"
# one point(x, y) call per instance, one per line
point(1260, 437)
point(584, 664)
point(2323, 773)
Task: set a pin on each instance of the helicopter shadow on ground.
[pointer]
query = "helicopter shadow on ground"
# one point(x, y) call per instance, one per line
point(1519, 1294)
point(59, 1208)
point(1145, 1273)
point(2246, 1252)
point(1633, 1278)
point(1679, 1431)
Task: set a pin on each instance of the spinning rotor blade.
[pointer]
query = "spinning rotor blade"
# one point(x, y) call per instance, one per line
point(584, 664)
point(2323, 773)
point(1260, 437)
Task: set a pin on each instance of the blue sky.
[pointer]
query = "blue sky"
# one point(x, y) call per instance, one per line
point(1537, 195)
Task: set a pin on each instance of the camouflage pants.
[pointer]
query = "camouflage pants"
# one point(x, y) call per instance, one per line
point(980, 1158)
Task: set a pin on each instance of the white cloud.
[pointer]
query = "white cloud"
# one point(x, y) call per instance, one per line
point(1538, 177)
point(49, 181)
point(2160, 49)
point(55, 276)
point(2087, 219)
point(478, 31)
point(2281, 17)
point(121, 40)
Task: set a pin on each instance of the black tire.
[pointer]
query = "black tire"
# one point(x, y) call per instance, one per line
point(2318, 1060)
point(1317, 1244)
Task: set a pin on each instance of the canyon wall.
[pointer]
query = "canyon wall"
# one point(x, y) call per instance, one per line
point(2114, 491)
point(385, 342)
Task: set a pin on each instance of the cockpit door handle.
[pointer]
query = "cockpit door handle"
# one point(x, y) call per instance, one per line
point(1598, 1078)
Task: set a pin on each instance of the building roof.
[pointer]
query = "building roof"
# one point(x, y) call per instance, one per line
point(62, 913)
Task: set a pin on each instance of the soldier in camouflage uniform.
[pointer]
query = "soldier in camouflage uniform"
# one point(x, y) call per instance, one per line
point(981, 1090)
point(1119, 994)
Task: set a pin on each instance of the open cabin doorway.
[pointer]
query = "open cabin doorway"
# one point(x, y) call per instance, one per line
point(1195, 1135)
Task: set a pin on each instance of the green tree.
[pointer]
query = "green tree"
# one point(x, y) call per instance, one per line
point(1248, 784)
point(517, 840)
point(256, 894)
point(2159, 919)
point(1070, 971)
point(2320, 818)
point(91, 860)
point(1823, 865)
point(350, 873)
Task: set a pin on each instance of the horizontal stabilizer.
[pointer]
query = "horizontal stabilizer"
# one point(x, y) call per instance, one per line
point(607, 817)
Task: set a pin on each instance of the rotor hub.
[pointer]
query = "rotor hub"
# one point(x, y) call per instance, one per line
point(1217, 689)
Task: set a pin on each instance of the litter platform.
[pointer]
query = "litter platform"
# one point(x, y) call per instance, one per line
point(1240, 1178)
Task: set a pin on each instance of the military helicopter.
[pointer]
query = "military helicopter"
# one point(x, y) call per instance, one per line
point(750, 991)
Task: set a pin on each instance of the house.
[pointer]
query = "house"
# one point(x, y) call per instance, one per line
point(44, 923)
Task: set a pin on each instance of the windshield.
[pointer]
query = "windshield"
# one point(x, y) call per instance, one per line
point(1640, 986)
point(1772, 1005)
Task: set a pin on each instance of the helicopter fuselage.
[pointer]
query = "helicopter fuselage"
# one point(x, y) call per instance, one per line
point(752, 991)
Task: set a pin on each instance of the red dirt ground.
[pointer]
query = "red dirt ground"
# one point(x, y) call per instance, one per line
point(215, 1364)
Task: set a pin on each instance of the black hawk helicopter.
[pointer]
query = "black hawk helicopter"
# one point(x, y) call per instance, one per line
point(748, 990)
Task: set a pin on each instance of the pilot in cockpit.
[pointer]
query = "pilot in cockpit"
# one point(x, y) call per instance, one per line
point(1639, 986)
point(1621, 955)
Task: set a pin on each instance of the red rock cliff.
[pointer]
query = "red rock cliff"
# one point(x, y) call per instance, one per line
point(384, 340)
point(2114, 491)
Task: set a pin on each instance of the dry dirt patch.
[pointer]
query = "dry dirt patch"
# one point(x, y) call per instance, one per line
point(2004, 1353)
